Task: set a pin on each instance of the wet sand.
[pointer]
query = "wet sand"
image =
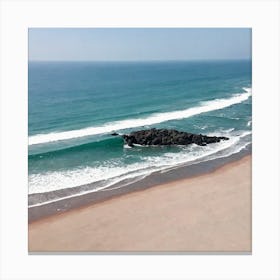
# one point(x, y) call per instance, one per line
point(206, 213)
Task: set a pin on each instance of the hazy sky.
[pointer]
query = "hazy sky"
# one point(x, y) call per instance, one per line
point(109, 44)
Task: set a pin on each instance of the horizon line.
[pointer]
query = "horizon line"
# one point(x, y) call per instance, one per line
point(148, 60)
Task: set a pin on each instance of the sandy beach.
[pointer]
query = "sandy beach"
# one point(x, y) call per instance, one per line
point(206, 213)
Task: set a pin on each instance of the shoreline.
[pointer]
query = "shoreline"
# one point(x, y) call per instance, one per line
point(207, 213)
point(156, 178)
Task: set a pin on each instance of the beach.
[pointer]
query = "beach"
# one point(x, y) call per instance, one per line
point(210, 212)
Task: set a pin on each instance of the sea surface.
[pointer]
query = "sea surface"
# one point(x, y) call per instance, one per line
point(75, 106)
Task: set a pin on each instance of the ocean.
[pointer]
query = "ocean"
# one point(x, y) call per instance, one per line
point(75, 106)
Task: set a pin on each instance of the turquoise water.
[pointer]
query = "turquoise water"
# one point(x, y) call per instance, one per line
point(74, 106)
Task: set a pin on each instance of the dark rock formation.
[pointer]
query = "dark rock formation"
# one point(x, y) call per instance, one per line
point(168, 137)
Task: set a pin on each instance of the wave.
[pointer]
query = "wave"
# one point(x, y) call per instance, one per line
point(131, 177)
point(105, 144)
point(109, 174)
point(204, 107)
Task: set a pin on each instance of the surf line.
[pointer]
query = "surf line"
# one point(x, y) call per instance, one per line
point(204, 107)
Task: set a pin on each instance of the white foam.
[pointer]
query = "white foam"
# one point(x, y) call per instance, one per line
point(248, 89)
point(204, 107)
point(126, 146)
point(143, 174)
point(89, 191)
point(114, 172)
point(51, 181)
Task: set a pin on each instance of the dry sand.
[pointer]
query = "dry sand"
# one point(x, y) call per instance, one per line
point(208, 213)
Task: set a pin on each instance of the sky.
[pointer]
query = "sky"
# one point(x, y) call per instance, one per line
point(138, 44)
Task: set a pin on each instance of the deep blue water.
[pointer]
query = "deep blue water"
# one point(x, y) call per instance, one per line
point(74, 106)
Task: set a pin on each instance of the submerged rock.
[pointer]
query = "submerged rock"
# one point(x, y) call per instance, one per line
point(168, 137)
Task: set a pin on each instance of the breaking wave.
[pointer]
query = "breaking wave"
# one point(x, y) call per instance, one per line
point(204, 107)
point(111, 174)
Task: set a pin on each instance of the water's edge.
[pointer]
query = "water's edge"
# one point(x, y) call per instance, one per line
point(156, 178)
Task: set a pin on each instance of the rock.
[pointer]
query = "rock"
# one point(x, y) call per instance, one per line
point(156, 141)
point(168, 137)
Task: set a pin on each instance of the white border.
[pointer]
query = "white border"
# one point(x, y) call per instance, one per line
point(262, 16)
